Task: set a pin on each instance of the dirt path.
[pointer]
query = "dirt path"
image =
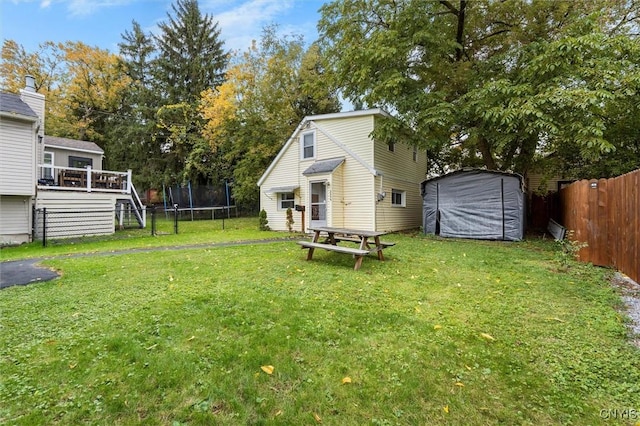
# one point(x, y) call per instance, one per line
point(630, 294)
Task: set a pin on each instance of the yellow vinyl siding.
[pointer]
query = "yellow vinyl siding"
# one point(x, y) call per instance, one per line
point(539, 184)
point(352, 133)
point(357, 201)
point(352, 186)
point(394, 218)
point(287, 173)
point(400, 172)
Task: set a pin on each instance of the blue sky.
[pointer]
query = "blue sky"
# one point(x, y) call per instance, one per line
point(100, 23)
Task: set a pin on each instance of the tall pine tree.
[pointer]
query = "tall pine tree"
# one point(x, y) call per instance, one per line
point(190, 59)
point(191, 56)
point(131, 141)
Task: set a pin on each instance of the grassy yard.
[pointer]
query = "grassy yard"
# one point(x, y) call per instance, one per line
point(442, 332)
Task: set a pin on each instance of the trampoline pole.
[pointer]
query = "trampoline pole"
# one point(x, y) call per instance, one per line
point(190, 200)
point(164, 200)
point(226, 187)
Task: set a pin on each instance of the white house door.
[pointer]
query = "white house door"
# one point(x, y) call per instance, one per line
point(318, 204)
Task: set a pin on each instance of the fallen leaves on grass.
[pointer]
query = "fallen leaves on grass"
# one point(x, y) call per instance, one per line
point(487, 337)
point(267, 369)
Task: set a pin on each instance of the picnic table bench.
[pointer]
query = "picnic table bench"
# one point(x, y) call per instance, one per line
point(335, 235)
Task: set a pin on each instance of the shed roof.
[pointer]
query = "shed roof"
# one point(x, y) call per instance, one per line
point(473, 171)
point(73, 144)
point(12, 104)
point(324, 166)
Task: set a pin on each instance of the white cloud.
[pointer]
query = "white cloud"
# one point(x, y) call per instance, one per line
point(243, 22)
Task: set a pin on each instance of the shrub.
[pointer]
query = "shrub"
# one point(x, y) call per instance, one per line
point(569, 248)
point(290, 221)
point(262, 220)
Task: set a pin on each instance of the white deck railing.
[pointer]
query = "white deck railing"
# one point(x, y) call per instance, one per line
point(58, 178)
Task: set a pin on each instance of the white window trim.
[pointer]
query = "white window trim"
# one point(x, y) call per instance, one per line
point(315, 145)
point(403, 196)
point(281, 200)
point(48, 166)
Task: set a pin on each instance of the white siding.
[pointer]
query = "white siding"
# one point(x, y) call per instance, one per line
point(17, 157)
point(76, 214)
point(36, 102)
point(15, 219)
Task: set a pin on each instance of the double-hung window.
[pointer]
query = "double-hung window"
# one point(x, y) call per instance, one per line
point(308, 141)
point(286, 200)
point(398, 198)
point(47, 170)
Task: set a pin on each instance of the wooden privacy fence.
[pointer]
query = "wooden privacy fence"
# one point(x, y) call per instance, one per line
point(605, 213)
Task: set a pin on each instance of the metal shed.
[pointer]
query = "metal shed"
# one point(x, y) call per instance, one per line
point(477, 204)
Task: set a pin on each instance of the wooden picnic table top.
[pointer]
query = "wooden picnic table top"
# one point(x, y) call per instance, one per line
point(346, 231)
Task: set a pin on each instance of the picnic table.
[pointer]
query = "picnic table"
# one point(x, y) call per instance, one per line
point(335, 235)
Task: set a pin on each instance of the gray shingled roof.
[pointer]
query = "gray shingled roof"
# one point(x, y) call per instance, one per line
point(323, 166)
point(72, 144)
point(12, 104)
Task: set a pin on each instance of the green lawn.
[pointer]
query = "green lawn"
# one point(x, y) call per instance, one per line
point(442, 332)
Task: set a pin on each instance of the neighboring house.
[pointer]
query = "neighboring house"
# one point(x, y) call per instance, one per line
point(63, 152)
point(21, 131)
point(332, 173)
point(63, 176)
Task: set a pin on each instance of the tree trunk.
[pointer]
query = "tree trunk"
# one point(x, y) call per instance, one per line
point(487, 157)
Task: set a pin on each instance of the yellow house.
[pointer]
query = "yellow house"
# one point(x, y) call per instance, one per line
point(332, 173)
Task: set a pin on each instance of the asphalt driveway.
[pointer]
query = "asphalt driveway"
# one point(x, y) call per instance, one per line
point(23, 272)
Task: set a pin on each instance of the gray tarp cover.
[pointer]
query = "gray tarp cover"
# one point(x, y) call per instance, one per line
point(477, 204)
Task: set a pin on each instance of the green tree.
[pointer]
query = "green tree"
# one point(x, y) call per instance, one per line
point(490, 83)
point(191, 57)
point(268, 91)
point(131, 143)
point(82, 85)
point(190, 60)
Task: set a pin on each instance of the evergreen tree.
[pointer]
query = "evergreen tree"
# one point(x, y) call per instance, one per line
point(131, 139)
point(190, 60)
point(191, 56)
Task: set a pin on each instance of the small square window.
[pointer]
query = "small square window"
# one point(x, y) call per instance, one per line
point(392, 146)
point(415, 153)
point(286, 200)
point(398, 198)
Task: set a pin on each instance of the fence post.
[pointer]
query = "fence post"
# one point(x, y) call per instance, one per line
point(44, 227)
point(153, 221)
point(34, 223)
point(88, 171)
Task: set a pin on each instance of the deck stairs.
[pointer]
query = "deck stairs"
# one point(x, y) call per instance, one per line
point(129, 207)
